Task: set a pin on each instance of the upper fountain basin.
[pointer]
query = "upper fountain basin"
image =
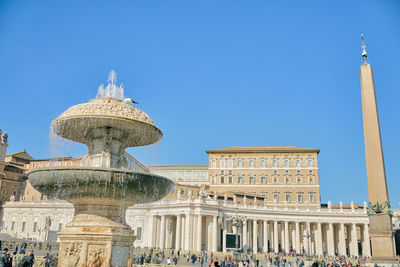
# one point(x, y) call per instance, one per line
point(136, 126)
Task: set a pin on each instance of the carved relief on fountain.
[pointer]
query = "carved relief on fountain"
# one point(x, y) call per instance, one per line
point(107, 107)
point(96, 256)
point(71, 253)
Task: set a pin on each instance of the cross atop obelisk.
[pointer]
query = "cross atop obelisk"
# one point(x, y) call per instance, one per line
point(380, 214)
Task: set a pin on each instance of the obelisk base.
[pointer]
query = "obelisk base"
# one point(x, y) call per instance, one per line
point(91, 240)
point(382, 242)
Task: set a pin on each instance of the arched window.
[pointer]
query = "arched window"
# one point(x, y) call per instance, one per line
point(230, 163)
point(213, 163)
point(263, 163)
point(310, 163)
point(240, 163)
point(287, 163)
point(251, 163)
point(274, 163)
point(298, 162)
point(300, 198)
point(222, 163)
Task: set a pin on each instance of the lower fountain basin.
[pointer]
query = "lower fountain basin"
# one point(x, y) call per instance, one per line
point(126, 187)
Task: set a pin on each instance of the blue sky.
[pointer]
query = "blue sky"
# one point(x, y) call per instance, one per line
point(211, 74)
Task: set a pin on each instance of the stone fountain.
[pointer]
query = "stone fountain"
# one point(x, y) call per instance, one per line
point(103, 187)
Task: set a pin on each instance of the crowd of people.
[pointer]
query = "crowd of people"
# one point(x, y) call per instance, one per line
point(8, 259)
point(22, 254)
point(147, 256)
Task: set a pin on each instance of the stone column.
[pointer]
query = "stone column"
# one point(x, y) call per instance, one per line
point(255, 230)
point(366, 249)
point(298, 247)
point(214, 233)
point(271, 236)
point(286, 237)
point(224, 236)
point(342, 240)
point(331, 244)
point(353, 244)
point(318, 245)
point(178, 232)
point(183, 232)
point(162, 232)
point(199, 231)
point(151, 235)
point(282, 237)
point(168, 232)
point(276, 243)
point(188, 232)
point(265, 234)
point(245, 233)
point(209, 228)
point(293, 243)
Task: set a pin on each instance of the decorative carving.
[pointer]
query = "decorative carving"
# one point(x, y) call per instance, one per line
point(378, 208)
point(4, 137)
point(96, 256)
point(72, 254)
point(106, 107)
point(47, 223)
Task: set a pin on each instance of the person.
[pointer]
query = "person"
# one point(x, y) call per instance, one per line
point(14, 259)
point(27, 261)
point(168, 261)
point(47, 260)
point(4, 262)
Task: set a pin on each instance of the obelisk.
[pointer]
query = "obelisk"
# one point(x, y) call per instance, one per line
point(380, 214)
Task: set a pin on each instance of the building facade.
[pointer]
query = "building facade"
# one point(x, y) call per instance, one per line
point(285, 175)
point(12, 173)
point(199, 213)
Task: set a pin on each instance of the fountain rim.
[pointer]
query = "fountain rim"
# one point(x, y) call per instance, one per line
point(105, 175)
point(89, 168)
point(112, 121)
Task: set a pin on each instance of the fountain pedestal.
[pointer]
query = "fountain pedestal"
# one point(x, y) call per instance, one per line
point(98, 234)
point(91, 240)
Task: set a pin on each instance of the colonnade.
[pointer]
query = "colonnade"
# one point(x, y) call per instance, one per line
point(208, 232)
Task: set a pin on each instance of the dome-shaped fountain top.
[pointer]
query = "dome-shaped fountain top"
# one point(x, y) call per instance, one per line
point(110, 109)
point(77, 121)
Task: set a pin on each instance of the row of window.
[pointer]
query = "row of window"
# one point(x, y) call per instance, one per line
point(48, 164)
point(252, 180)
point(299, 172)
point(300, 198)
point(262, 163)
point(23, 226)
point(183, 191)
